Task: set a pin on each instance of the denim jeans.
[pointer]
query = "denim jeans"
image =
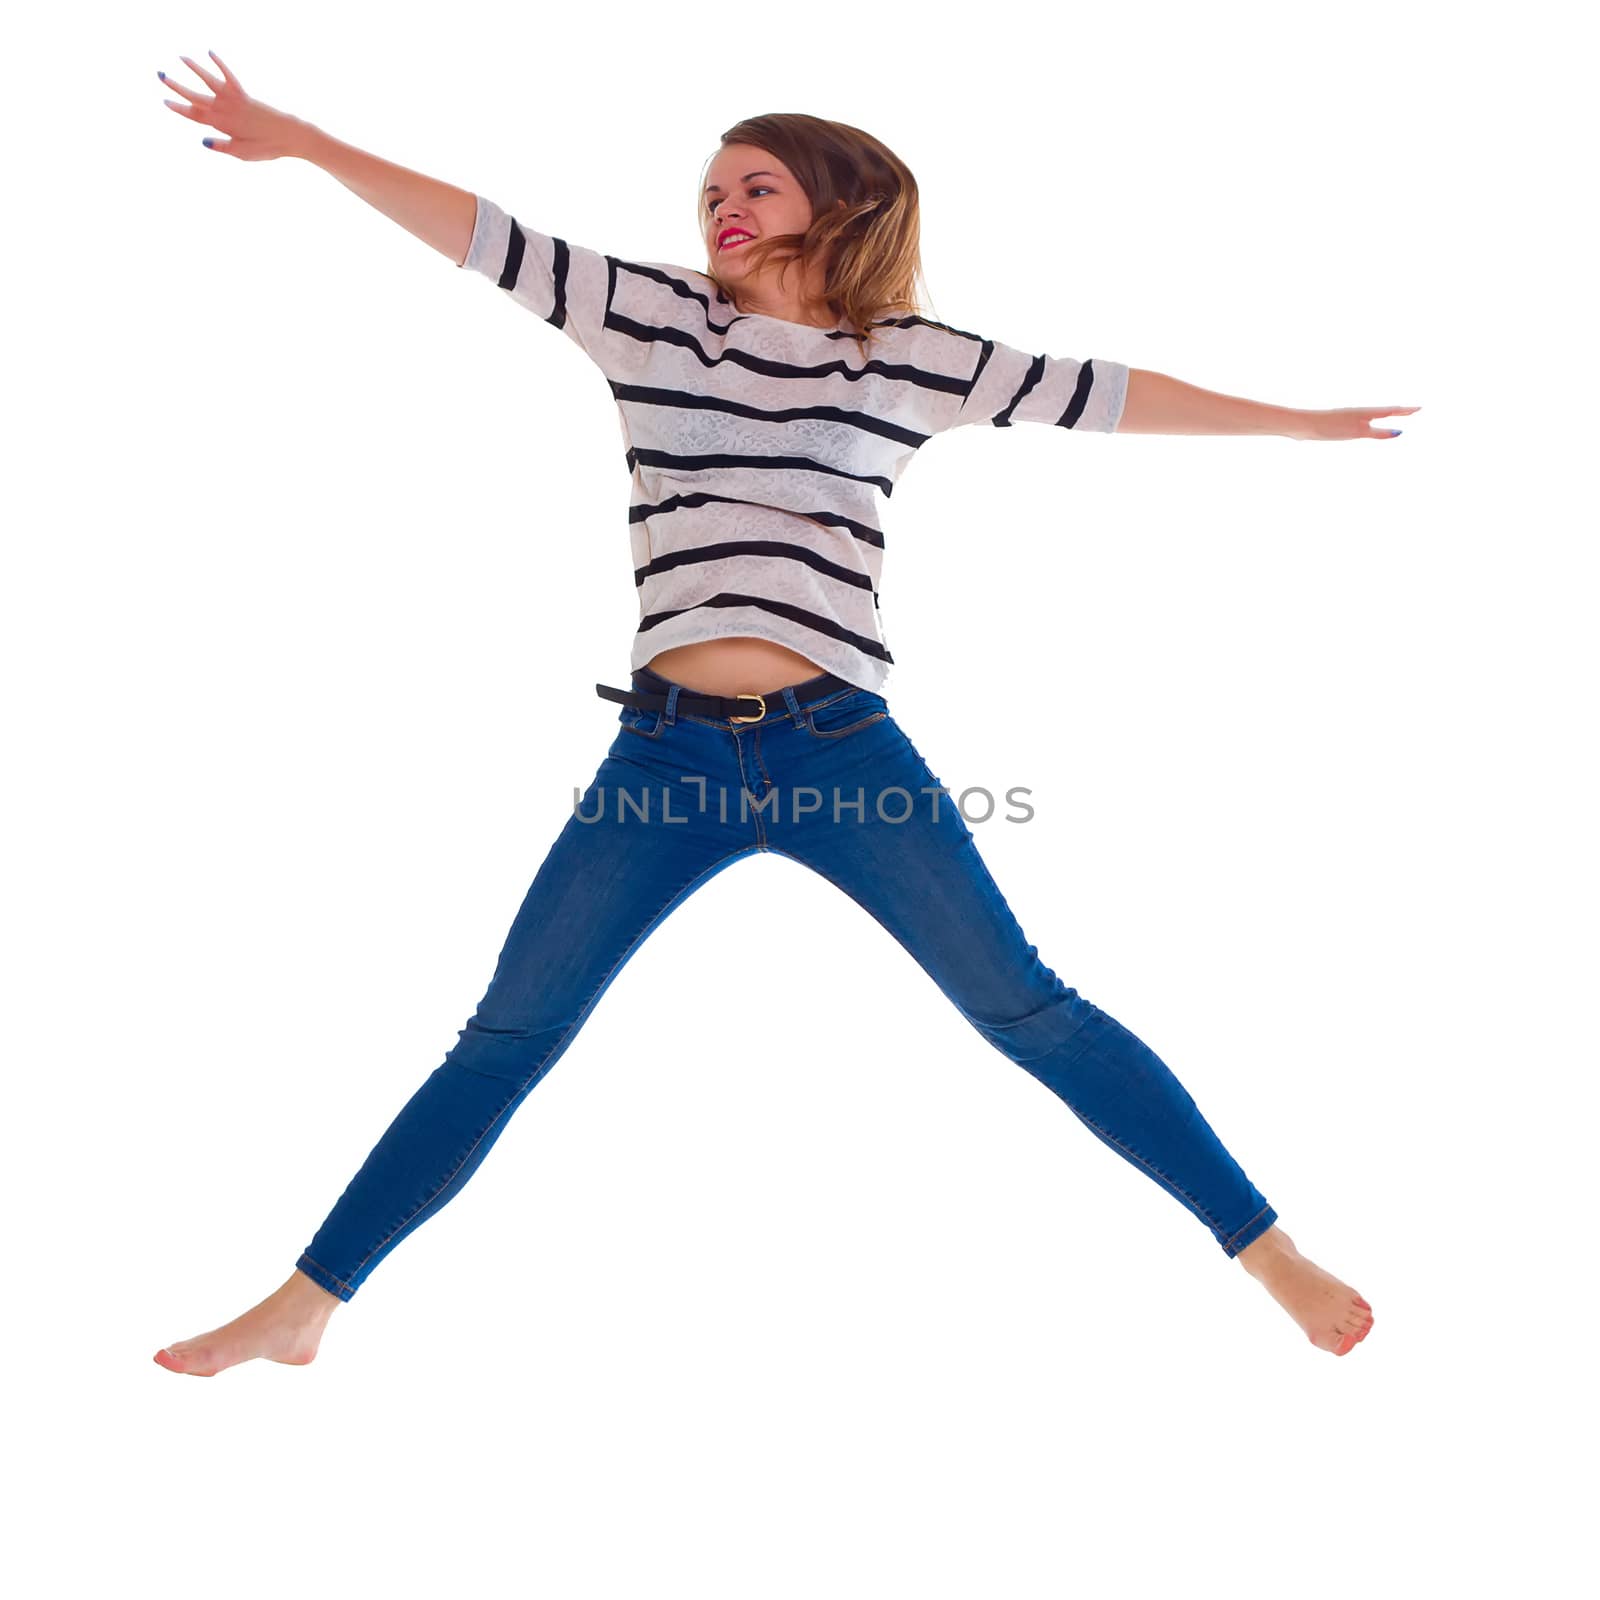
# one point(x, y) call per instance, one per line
point(829, 779)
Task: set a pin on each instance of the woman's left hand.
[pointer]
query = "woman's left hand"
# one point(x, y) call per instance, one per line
point(1353, 422)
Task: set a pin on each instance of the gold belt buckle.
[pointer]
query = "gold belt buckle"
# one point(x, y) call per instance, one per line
point(760, 700)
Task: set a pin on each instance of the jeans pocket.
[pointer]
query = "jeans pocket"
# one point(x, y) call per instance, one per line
point(647, 724)
point(846, 714)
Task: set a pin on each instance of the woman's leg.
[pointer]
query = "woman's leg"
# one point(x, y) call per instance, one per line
point(924, 880)
point(603, 887)
point(873, 820)
point(620, 865)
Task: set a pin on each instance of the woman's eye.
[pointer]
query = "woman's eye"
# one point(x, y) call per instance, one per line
point(760, 188)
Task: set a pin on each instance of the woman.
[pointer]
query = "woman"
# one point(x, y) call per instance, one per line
point(766, 403)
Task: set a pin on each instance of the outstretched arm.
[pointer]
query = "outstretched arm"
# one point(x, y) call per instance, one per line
point(567, 285)
point(1159, 404)
point(437, 213)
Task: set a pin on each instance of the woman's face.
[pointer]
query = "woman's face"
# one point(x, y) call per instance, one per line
point(749, 191)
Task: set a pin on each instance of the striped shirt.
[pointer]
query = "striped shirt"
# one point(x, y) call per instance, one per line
point(758, 447)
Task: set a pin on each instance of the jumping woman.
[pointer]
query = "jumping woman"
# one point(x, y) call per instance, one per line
point(766, 411)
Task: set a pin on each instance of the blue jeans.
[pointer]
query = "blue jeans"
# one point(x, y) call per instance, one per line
point(829, 780)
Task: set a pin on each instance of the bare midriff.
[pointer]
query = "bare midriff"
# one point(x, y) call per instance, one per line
point(741, 664)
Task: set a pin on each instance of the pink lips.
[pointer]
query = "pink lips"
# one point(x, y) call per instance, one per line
point(734, 244)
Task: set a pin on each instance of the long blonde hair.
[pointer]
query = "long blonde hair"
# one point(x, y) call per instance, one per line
point(871, 244)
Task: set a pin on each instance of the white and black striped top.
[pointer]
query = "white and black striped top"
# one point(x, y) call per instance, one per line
point(758, 446)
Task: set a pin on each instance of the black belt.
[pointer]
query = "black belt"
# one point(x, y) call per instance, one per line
point(728, 708)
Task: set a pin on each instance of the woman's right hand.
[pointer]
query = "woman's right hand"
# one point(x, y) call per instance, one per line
point(256, 131)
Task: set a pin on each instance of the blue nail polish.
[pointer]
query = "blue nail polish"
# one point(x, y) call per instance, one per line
point(161, 75)
point(206, 143)
point(1394, 433)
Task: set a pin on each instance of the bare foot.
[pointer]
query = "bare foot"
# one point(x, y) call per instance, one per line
point(286, 1326)
point(1333, 1316)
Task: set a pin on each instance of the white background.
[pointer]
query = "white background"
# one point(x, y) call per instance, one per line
point(783, 1283)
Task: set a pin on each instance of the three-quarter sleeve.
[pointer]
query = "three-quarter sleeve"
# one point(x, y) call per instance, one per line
point(565, 284)
point(1009, 385)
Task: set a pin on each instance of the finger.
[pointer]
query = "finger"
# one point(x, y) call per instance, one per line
point(213, 84)
point(223, 65)
point(178, 88)
point(183, 111)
